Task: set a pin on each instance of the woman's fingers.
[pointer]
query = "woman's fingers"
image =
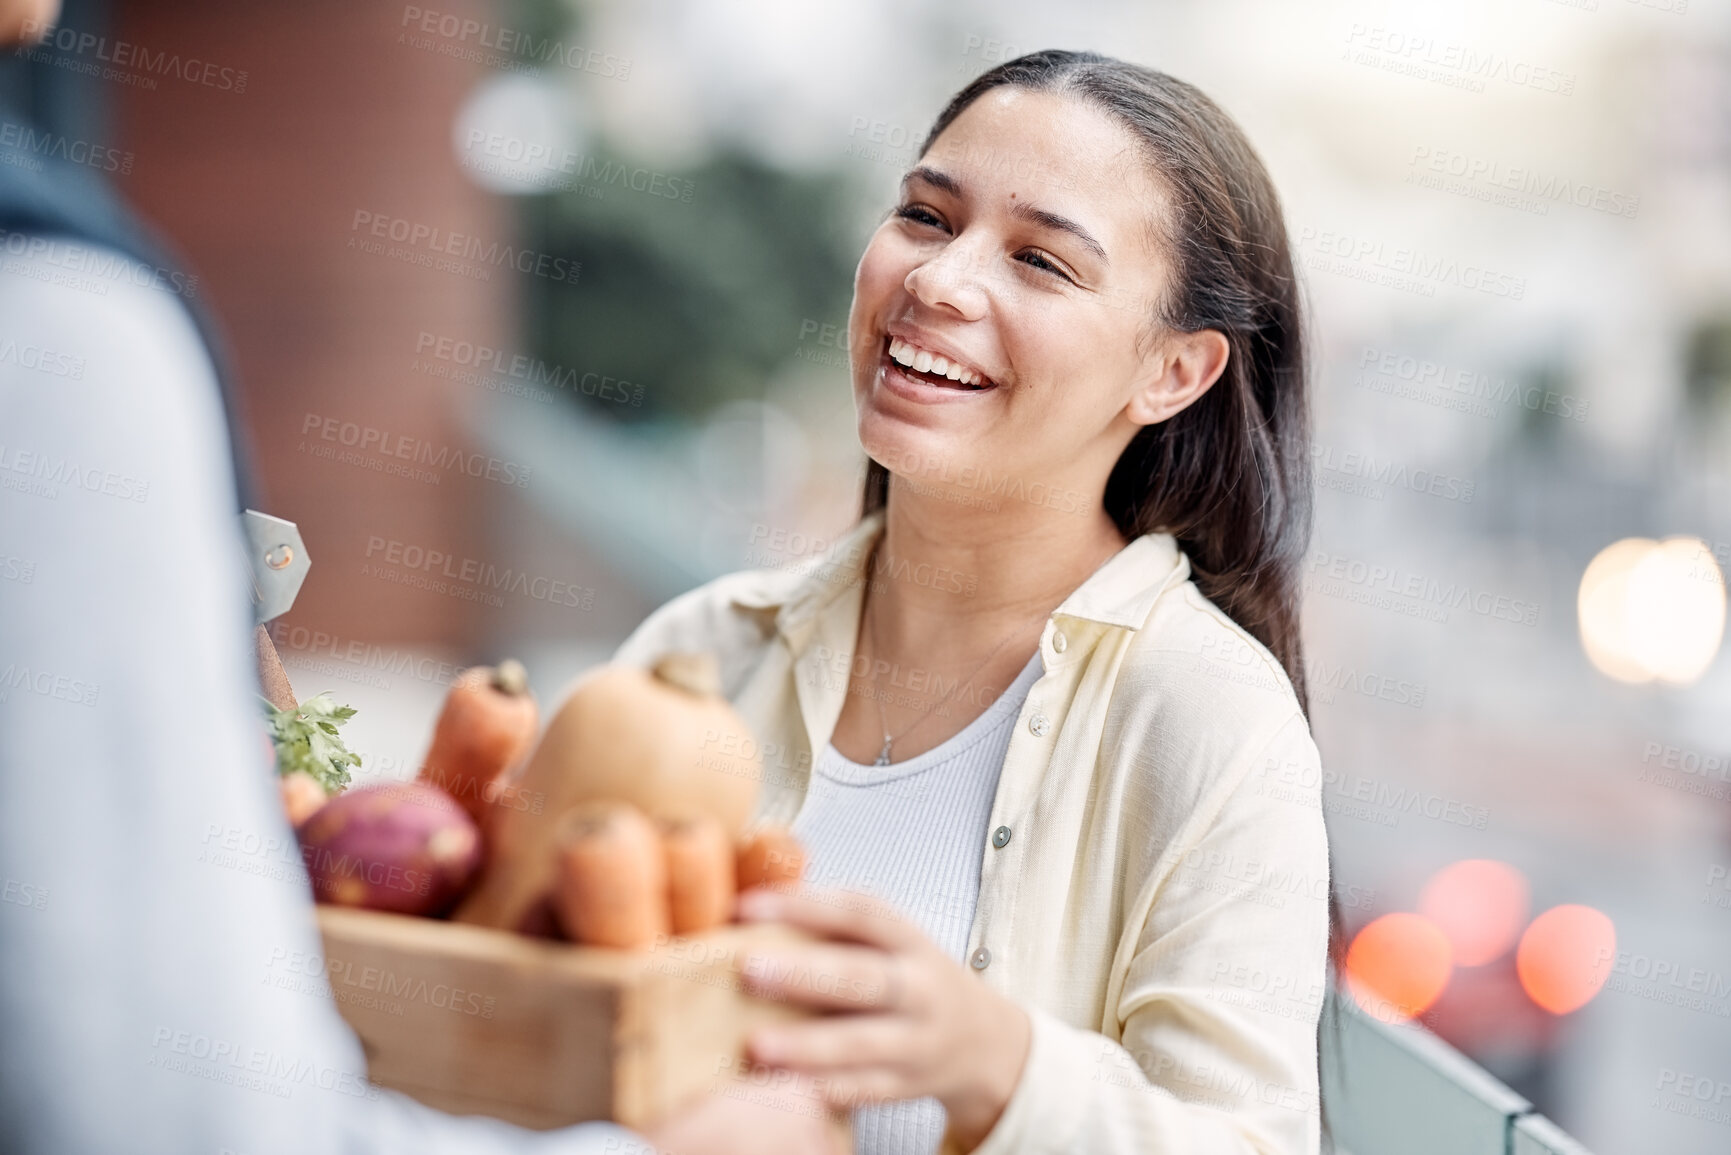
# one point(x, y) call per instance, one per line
point(852, 1044)
point(856, 1088)
point(835, 914)
point(825, 977)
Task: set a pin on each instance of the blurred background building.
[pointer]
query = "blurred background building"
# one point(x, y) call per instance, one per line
point(537, 309)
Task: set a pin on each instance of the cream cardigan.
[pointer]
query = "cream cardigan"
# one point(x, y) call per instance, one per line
point(1160, 908)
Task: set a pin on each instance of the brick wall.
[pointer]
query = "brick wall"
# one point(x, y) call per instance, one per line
point(260, 189)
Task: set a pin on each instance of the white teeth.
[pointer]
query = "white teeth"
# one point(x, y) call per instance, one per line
point(921, 361)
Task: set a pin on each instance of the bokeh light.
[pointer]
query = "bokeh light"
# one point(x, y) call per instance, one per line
point(1480, 904)
point(1565, 957)
point(1652, 610)
point(1398, 965)
point(518, 133)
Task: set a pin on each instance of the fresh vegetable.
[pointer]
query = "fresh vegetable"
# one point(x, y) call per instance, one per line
point(664, 740)
point(699, 874)
point(306, 739)
point(302, 796)
point(610, 886)
point(405, 847)
point(540, 921)
point(488, 723)
point(773, 857)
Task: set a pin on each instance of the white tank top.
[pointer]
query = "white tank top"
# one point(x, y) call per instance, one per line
point(912, 834)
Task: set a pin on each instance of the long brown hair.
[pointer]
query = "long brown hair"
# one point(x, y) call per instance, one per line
point(1229, 476)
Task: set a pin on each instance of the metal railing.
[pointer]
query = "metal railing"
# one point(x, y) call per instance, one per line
point(1400, 1090)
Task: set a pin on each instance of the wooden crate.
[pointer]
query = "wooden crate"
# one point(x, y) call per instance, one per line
point(544, 1034)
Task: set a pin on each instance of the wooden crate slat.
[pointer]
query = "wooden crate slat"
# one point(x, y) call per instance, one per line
point(542, 1034)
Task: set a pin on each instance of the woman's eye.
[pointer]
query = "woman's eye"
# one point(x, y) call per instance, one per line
point(919, 214)
point(1039, 261)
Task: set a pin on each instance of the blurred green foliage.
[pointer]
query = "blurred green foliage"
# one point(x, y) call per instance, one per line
point(698, 302)
point(1707, 365)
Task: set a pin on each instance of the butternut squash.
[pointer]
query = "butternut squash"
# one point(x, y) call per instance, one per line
point(664, 740)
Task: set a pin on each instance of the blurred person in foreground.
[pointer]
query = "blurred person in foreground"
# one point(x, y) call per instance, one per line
point(1045, 702)
point(136, 1008)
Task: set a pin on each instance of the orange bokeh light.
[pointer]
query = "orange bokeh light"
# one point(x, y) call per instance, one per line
point(1480, 904)
point(1398, 965)
point(1565, 956)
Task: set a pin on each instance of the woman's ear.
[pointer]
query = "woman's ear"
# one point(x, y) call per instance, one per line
point(1181, 369)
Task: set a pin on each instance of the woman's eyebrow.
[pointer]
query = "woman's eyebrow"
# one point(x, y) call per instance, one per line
point(1045, 219)
point(1052, 220)
point(935, 177)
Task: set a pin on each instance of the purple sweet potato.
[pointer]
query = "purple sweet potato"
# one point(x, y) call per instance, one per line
point(405, 847)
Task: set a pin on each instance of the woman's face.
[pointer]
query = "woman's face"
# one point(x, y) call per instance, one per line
point(1023, 251)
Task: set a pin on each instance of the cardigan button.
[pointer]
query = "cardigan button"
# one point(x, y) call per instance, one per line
point(982, 959)
point(1001, 837)
point(1059, 641)
point(1039, 724)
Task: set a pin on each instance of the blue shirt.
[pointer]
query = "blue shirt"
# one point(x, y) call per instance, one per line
point(151, 897)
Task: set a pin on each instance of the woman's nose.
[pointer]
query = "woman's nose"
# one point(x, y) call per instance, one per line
point(954, 278)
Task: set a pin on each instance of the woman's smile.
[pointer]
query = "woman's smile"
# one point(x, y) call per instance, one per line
point(917, 367)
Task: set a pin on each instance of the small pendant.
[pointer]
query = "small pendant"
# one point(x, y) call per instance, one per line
point(884, 754)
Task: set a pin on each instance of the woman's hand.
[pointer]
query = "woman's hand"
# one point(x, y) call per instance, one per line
point(926, 1026)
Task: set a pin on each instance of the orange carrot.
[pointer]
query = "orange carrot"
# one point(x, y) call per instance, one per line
point(487, 725)
point(302, 796)
point(773, 857)
point(610, 887)
point(699, 874)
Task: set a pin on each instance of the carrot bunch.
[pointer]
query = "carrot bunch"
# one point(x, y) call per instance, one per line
point(623, 880)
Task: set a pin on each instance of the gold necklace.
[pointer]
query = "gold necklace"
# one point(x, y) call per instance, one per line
point(883, 758)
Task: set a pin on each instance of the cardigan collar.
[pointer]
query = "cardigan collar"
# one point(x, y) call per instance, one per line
point(1120, 593)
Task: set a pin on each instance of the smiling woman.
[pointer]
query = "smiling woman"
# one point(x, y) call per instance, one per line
point(1078, 366)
